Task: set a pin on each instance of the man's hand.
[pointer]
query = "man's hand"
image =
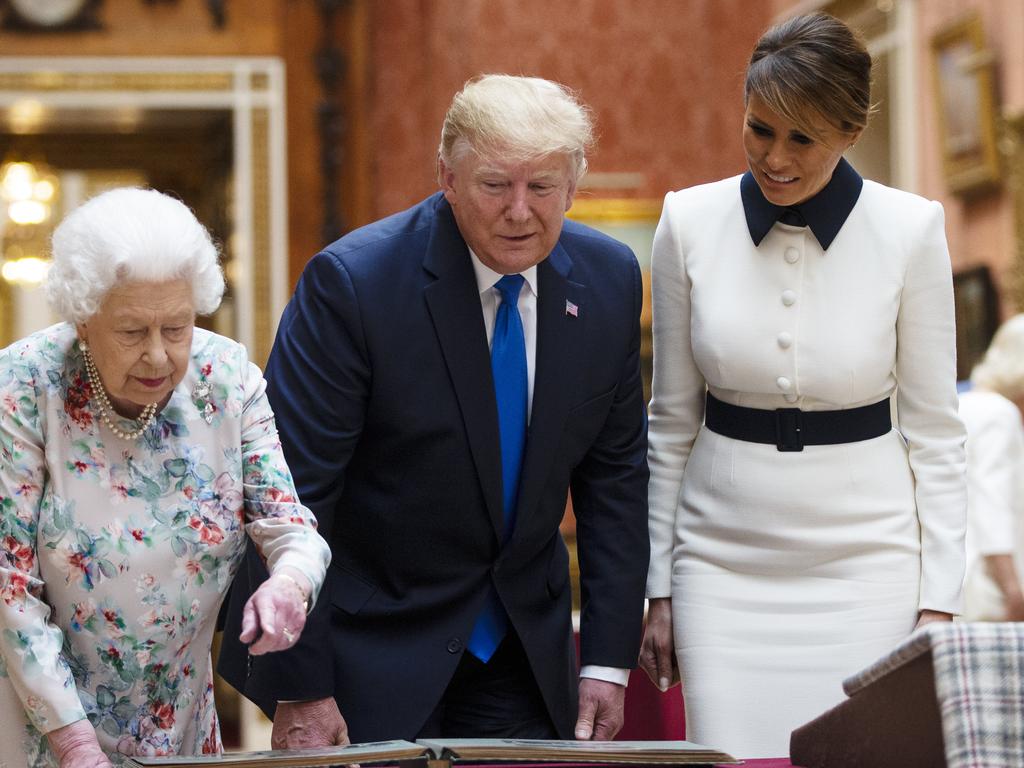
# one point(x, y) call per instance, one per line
point(601, 710)
point(308, 725)
point(658, 653)
point(927, 617)
point(75, 746)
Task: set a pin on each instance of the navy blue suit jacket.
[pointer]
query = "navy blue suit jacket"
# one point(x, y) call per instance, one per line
point(381, 383)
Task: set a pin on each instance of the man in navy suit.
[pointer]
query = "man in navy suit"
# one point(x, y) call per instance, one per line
point(442, 380)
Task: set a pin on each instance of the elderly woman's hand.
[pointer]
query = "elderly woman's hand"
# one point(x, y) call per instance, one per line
point(75, 746)
point(276, 613)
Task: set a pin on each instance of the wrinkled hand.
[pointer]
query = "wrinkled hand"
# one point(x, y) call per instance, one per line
point(657, 652)
point(601, 710)
point(275, 613)
point(927, 617)
point(308, 725)
point(75, 746)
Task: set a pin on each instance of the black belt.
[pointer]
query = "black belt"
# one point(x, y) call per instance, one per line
point(790, 429)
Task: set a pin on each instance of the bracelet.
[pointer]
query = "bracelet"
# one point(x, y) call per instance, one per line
point(293, 580)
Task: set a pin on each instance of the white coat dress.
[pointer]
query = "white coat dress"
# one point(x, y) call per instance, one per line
point(790, 571)
point(995, 492)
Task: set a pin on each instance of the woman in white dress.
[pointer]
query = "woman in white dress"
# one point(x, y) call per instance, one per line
point(795, 535)
point(137, 453)
point(991, 411)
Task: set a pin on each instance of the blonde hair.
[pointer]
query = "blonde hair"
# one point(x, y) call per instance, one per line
point(812, 66)
point(516, 118)
point(1001, 370)
point(129, 234)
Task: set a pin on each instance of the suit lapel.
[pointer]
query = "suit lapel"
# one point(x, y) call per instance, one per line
point(453, 300)
point(559, 347)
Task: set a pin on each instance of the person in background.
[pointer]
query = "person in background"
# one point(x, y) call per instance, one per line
point(795, 535)
point(444, 377)
point(137, 455)
point(991, 411)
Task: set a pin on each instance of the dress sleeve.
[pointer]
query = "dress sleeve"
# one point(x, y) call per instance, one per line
point(995, 447)
point(30, 644)
point(677, 404)
point(283, 530)
point(926, 403)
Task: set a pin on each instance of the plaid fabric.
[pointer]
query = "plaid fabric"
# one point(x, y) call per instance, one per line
point(979, 683)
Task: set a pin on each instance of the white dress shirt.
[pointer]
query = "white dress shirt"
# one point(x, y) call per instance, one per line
point(490, 299)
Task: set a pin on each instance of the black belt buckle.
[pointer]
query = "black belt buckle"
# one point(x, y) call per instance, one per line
point(788, 434)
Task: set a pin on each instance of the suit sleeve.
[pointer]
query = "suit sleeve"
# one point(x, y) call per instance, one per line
point(927, 407)
point(317, 382)
point(609, 493)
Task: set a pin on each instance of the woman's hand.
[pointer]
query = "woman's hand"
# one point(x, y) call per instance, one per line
point(276, 613)
point(658, 653)
point(75, 746)
point(927, 617)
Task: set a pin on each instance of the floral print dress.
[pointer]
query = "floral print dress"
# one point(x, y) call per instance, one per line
point(115, 555)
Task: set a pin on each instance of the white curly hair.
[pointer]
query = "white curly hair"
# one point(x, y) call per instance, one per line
point(1002, 368)
point(127, 235)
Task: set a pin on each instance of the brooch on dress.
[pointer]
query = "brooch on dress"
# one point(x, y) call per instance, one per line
point(201, 397)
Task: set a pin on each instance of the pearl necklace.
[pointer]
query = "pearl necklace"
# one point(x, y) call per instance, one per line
point(103, 402)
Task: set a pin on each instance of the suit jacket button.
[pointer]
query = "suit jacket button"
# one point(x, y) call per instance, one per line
point(454, 645)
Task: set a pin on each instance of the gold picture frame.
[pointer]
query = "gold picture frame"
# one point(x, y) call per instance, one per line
point(965, 103)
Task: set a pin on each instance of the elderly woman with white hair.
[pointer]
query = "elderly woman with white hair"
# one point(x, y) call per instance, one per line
point(136, 453)
point(991, 411)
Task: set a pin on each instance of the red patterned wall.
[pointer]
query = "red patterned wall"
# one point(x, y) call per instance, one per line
point(664, 78)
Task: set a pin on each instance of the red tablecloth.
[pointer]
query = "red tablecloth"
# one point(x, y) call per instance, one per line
point(653, 715)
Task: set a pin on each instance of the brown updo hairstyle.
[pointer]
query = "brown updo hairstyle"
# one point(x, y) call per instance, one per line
point(812, 66)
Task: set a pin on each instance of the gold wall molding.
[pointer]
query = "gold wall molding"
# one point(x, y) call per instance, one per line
point(1012, 148)
point(609, 210)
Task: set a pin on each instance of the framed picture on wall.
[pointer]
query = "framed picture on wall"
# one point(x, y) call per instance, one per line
point(965, 101)
point(977, 316)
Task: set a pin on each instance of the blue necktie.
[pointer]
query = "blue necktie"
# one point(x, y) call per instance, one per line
point(508, 366)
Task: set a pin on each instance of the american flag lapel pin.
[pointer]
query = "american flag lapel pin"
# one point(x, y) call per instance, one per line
point(571, 309)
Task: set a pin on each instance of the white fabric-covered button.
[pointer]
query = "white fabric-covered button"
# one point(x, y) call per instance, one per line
point(785, 340)
point(789, 297)
point(792, 255)
point(791, 397)
point(784, 384)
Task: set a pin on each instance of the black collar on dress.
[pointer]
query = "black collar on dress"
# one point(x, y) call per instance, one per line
point(825, 213)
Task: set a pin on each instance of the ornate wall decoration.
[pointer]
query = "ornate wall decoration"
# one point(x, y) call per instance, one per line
point(1012, 148)
point(331, 65)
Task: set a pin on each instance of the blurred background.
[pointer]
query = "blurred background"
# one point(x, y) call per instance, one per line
point(286, 123)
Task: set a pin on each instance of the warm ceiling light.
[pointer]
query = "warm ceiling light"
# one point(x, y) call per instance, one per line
point(28, 212)
point(28, 192)
point(26, 116)
point(44, 190)
point(29, 271)
point(17, 181)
